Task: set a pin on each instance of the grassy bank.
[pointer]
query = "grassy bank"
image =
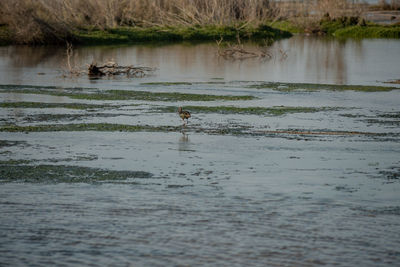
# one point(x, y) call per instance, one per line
point(134, 34)
point(6, 37)
point(372, 31)
point(113, 21)
point(342, 27)
point(177, 33)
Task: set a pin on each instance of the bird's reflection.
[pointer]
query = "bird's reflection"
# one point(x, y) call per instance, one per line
point(183, 144)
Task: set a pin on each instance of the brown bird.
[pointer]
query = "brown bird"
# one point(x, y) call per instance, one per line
point(184, 114)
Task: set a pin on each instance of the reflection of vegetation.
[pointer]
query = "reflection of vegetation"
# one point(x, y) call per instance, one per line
point(124, 95)
point(17, 171)
point(274, 111)
point(316, 87)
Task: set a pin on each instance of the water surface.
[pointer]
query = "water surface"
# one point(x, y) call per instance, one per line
point(318, 185)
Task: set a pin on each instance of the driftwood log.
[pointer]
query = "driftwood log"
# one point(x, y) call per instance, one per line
point(112, 68)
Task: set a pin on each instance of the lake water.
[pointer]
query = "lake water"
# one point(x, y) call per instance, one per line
point(311, 180)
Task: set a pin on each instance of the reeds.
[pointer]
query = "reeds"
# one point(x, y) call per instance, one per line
point(54, 21)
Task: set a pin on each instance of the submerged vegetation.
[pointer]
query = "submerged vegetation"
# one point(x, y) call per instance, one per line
point(78, 127)
point(240, 130)
point(272, 111)
point(121, 94)
point(53, 105)
point(19, 171)
point(315, 87)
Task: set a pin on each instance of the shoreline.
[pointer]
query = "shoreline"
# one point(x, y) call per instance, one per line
point(345, 27)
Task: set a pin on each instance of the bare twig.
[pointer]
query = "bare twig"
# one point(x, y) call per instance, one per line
point(72, 70)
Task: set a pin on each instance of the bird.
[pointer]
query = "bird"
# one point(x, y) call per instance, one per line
point(184, 114)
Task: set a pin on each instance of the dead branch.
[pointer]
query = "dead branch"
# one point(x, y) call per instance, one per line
point(112, 68)
point(70, 65)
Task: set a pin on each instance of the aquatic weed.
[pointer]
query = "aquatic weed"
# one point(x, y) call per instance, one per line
point(287, 87)
point(18, 171)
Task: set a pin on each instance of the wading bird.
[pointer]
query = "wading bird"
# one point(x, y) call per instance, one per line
point(184, 114)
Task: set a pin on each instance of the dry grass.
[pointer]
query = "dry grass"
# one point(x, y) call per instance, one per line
point(38, 21)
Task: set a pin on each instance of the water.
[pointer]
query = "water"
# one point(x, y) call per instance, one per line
point(309, 59)
point(265, 192)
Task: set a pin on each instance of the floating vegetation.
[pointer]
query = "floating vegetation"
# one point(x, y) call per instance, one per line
point(391, 174)
point(387, 119)
point(394, 123)
point(8, 87)
point(70, 117)
point(9, 143)
point(215, 81)
point(167, 83)
point(122, 94)
point(390, 115)
point(273, 111)
point(54, 105)
point(235, 130)
point(89, 127)
point(287, 87)
point(18, 171)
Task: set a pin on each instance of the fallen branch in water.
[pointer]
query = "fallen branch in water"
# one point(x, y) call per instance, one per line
point(109, 68)
point(112, 68)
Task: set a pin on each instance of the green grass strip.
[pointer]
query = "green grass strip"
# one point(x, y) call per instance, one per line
point(52, 105)
point(10, 172)
point(121, 94)
point(107, 127)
